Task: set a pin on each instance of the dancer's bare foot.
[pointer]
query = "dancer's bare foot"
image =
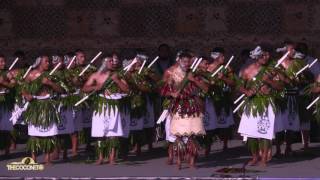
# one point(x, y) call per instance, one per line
point(170, 155)
point(112, 162)
point(138, 152)
point(253, 162)
point(207, 152)
point(48, 164)
point(54, 155)
point(263, 163)
point(179, 162)
point(13, 146)
point(179, 166)
point(192, 162)
point(99, 162)
point(288, 152)
point(74, 154)
point(47, 159)
point(170, 161)
point(34, 157)
point(134, 150)
point(269, 156)
point(112, 156)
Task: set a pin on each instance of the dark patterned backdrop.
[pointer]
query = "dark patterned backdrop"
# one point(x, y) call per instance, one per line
point(94, 25)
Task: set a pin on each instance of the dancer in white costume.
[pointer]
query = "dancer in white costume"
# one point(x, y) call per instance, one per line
point(108, 121)
point(257, 121)
point(41, 114)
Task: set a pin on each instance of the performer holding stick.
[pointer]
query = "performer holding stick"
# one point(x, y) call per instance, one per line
point(41, 114)
point(293, 101)
point(257, 120)
point(83, 112)
point(65, 102)
point(185, 107)
point(109, 108)
point(220, 102)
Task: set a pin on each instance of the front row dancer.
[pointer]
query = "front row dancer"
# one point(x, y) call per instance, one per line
point(41, 114)
point(258, 117)
point(185, 108)
point(110, 108)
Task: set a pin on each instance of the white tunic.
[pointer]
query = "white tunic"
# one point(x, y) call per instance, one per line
point(113, 124)
point(52, 130)
point(42, 132)
point(259, 126)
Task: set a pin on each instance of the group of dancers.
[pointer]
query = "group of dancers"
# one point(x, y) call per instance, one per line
point(63, 100)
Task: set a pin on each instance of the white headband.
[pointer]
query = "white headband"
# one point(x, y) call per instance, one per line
point(298, 55)
point(104, 63)
point(55, 59)
point(66, 59)
point(37, 62)
point(178, 54)
point(256, 53)
point(141, 57)
point(283, 49)
point(215, 55)
point(126, 62)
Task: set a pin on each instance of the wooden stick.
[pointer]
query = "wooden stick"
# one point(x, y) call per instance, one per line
point(228, 63)
point(14, 62)
point(238, 107)
point(144, 62)
point(216, 72)
point(313, 102)
point(55, 68)
point(197, 64)
point(70, 63)
point(282, 59)
point(155, 59)
point(29, 69)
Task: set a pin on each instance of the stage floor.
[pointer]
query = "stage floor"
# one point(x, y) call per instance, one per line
point(153, 164)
